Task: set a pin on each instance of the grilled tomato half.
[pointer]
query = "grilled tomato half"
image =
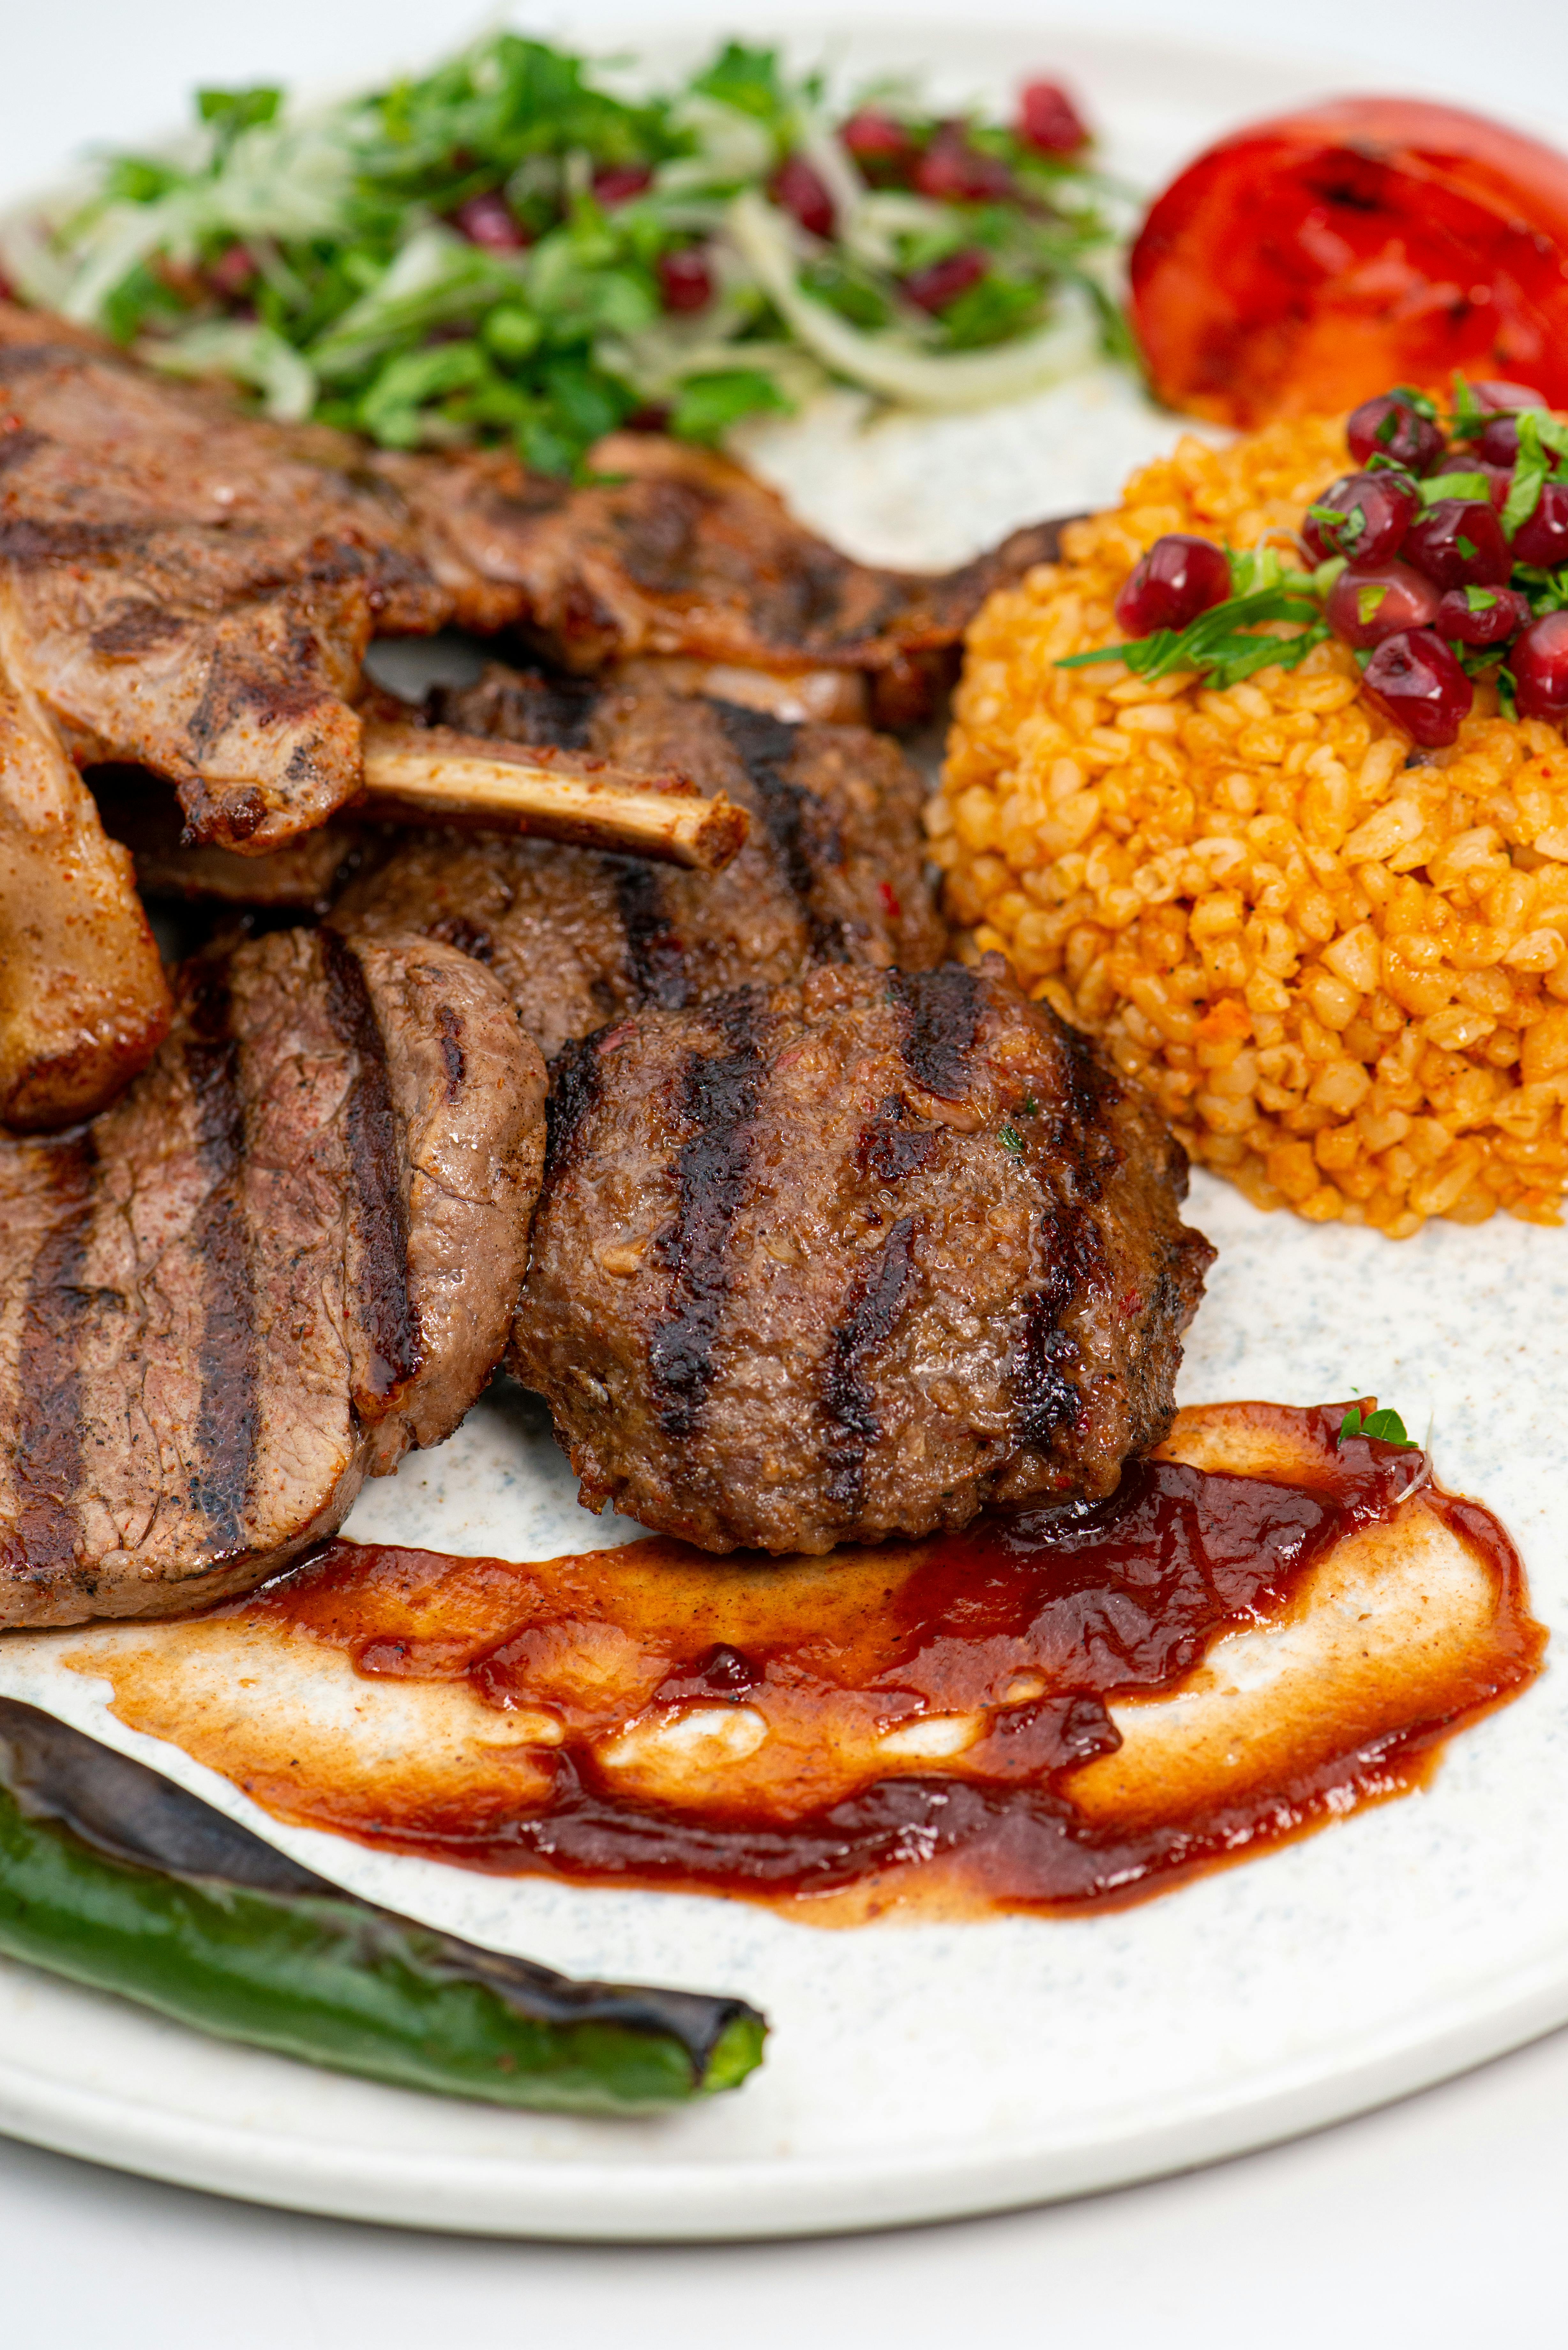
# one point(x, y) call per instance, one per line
point(1304, 264)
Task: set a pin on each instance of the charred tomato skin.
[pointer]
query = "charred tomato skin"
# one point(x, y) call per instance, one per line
point(1307, 262)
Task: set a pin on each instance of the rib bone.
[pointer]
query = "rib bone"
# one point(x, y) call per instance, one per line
point(521, 788)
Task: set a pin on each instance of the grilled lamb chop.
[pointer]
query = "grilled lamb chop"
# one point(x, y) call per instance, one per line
point(852, 1259)
point(684, 555)
point(191, 589)
point(287, 1253)
point(83, 1000)
point(832, 867)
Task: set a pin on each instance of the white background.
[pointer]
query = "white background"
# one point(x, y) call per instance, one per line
point(1438, 2223)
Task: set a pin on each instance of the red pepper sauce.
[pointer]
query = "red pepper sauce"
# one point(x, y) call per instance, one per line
point(1033, 1714)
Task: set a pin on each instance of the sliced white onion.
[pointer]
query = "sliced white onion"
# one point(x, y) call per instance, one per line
point(890, 363)
point(249, 352)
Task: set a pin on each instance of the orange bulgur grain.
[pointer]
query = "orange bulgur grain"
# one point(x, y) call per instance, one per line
point(1342, 971)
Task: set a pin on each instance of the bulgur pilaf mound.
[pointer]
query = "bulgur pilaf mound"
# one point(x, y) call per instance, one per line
point(1339, 966)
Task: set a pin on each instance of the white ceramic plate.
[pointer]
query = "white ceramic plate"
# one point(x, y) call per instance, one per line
point(925, 2072)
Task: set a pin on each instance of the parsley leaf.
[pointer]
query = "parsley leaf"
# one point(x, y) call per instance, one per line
point(1221, 642)
point(1009, 1138)
point(1385, 1427)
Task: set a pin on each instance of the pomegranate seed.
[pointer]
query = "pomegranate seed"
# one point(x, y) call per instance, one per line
point(1415, 680)
point(1543, 539)
point(1047, 118)
point(1389, 427)
point(1498, 478)
point(654, 418)
point(1539, 665)
point(1458, 542)
point(1488, 624)
point(1364, 607)
point(619, 182)
point(883, 147)
point(487, 220)
point(1365, 517)
point(1177, 579)
point(685, 278)
point(231, 271)
point(1507, 399)
point(938, 286)
point(801, 189)
point(1498, 443)
point(953, 171)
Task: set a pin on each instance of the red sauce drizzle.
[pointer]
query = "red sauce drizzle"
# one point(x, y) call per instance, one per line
point(1116, 1600)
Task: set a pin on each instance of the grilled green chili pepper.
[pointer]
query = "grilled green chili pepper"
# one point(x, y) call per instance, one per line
point(120, 1880)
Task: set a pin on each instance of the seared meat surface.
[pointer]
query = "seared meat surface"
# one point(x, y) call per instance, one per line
point(83, 1000)
point(853, 1258)
point(287, 1253)
point(191, 589)
point(832, 870)
point(682, 555)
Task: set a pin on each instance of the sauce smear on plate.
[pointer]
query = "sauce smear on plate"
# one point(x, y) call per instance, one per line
point(1264, 1627)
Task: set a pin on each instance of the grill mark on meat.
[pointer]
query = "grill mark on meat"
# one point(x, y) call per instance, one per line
point(48, 1461)
point(654, 956)
point(880, 1293)
point(453, 1060)
point(134, 629)
point(802, 831)
point(467, 937)
point(942, 1012)
point(890, 1150)
point(721, 1094)
point(385, 1306)
point(1044, 1398)
point(574, 1092)
point(228, 1420)
point(17, 445)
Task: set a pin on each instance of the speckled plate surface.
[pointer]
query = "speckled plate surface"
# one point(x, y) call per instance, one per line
point(929, 2071)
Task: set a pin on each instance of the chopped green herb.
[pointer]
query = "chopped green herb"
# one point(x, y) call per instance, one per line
point(1454, 486)
point(1480, 599)
point(1542, 438)
point(1009, 1138)
point(1028, 1107)
point(1222, 642)
point(1385, 1427)
point(510, 207)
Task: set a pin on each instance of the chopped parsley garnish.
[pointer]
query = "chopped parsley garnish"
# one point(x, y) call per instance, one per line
point(1386, 1427)
point(1542, 439)
point(1221, 643)
point(1028, 1107)
point(1009, 1138)
point(515, 247)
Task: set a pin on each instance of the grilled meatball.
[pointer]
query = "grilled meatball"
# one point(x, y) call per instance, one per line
point(853, 1258)
point(832, 867)
point(287, 1252)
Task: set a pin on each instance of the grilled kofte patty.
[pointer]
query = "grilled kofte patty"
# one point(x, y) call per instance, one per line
point(289, 1251)
point(832, 868)
point(853, 1258)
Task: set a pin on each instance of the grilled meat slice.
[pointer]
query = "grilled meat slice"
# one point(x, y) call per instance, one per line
point(832, 867)
point(191, 589)
point(287, 1253)
point(83, 1000)
point(852, 1259)
point(684, 553)
point(304, 877)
